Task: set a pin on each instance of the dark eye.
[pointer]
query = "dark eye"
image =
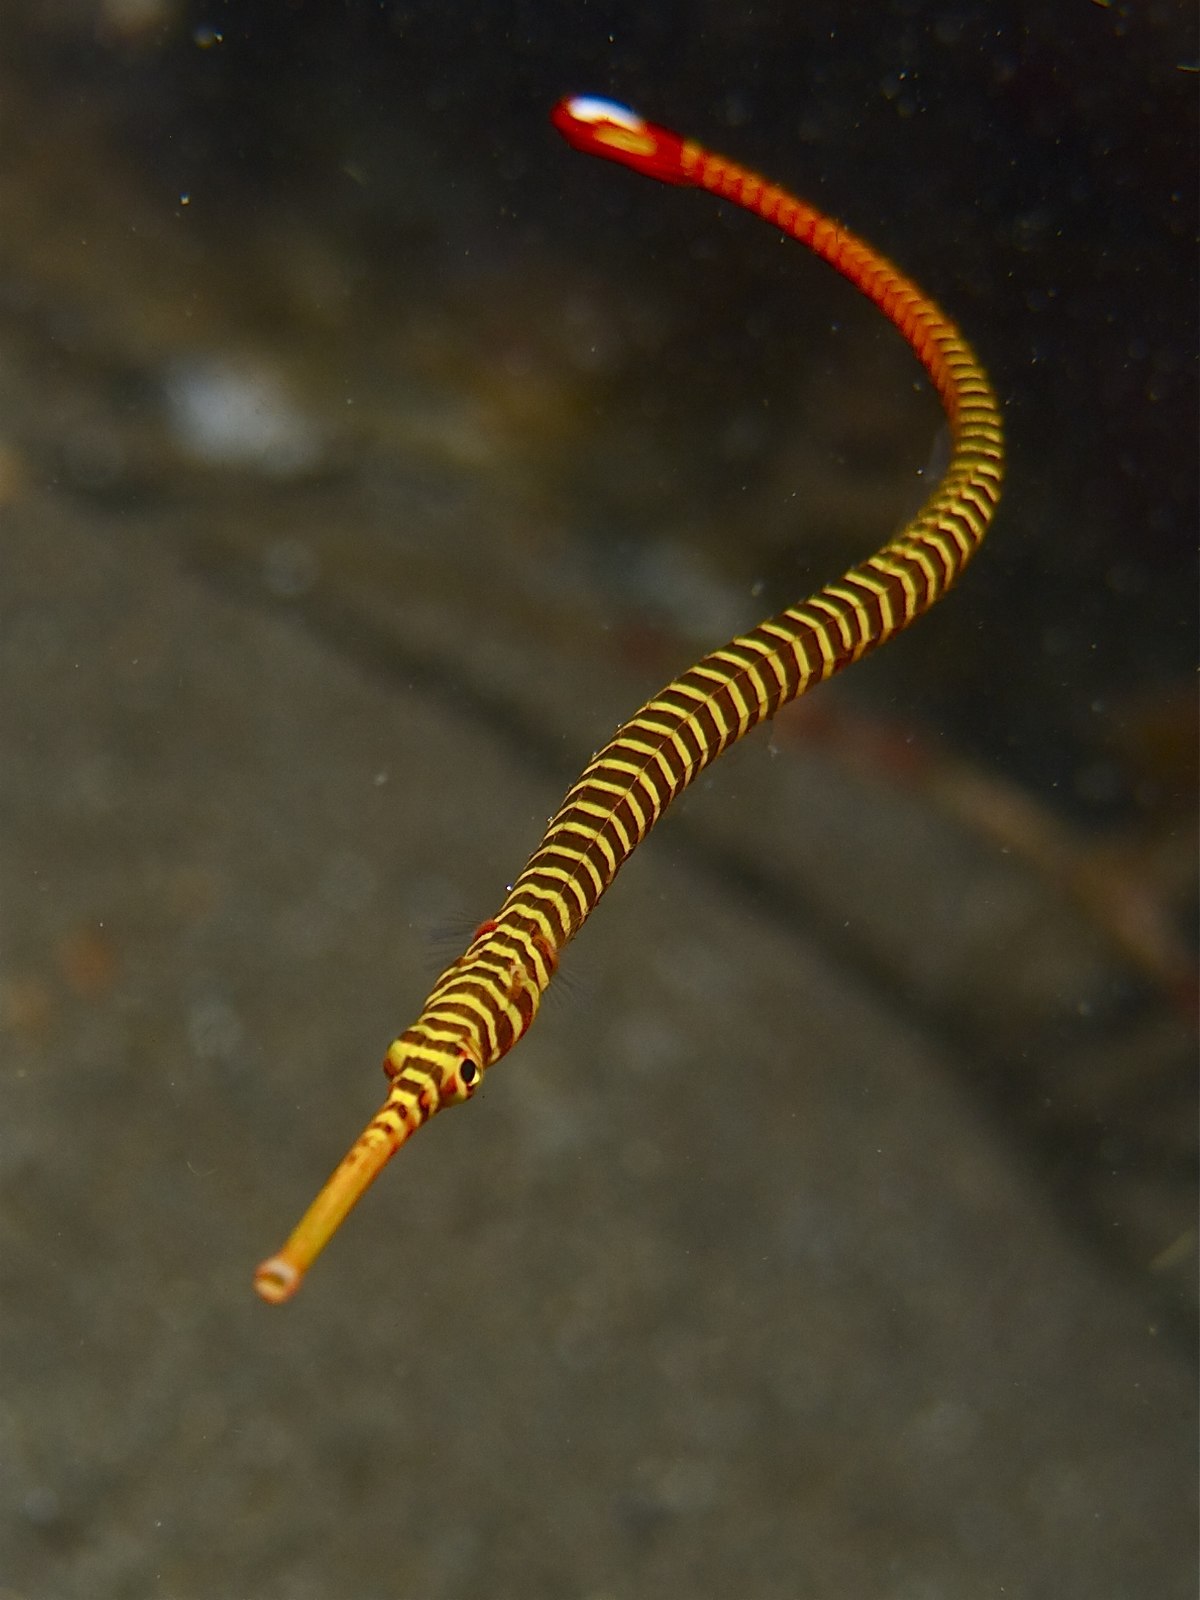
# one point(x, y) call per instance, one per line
point(468, 1072)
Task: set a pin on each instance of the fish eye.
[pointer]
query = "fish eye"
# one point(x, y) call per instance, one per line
point(468, 1072)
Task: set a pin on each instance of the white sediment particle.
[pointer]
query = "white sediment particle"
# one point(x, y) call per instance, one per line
point(233, 413)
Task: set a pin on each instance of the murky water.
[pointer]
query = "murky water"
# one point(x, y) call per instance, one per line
point(365, 456)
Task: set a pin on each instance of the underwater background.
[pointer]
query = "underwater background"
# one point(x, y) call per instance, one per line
point(366, 456)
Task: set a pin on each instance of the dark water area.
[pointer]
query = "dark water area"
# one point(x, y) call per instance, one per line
point(1033, 166)
point(365, 456)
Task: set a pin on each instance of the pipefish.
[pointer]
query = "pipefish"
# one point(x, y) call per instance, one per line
point(483, 1003)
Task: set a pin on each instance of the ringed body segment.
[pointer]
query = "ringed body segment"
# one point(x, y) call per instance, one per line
point(484, 1002)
